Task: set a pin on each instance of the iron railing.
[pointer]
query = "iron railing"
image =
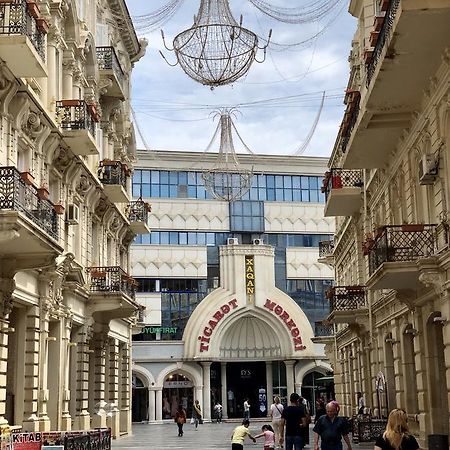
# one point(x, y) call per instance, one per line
point(402, 243)
point(75, 115)
point(113, 172)
point(366, 428)
point(347, 131)
point(138, 211)
point(322, 329)
point(326, 249)
point(111, 279)
point(347, 298)
point(383, 38)
point(92, 440)
point(15, 19)
point(17, 195)
point(107, 60)
point(340, 178)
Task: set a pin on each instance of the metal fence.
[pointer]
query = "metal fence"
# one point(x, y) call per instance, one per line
point(346, 298)
point(113, 172)
point(92, 440)
point(75, 115)
point(138, 211)
point(111, 279)
point(322, 329)
point(107, 60)
point(326, 248)
point(342, 178)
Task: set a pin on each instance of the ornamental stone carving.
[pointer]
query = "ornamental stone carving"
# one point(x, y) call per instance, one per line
point(32, 125)
point(7, 286)
point(101, 208)
point(83, 186)
point(62, 160)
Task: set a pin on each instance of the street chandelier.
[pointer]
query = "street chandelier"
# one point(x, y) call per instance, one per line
point(216, 50)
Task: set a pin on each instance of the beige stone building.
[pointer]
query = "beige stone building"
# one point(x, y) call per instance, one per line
point(389, 186)
point(66, 220)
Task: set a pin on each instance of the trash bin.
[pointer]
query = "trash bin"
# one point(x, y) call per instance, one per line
point(437, 442)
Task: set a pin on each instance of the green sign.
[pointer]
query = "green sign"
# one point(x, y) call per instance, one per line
point(160, 330)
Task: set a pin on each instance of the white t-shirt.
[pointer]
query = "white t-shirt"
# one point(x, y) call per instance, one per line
point(276, 410)
point(246, 406)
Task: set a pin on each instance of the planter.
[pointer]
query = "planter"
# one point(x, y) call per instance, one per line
point(43, 25)
point(71, 102)
point(148, 207)
point(26, 177)
point(373, 38)
point(33, 9)
point(413, 227)
point(352, 95)
point(336, 182)
point(109, 162)
point(384, 4)
point(329, 294)
point(59, 209)
point(43, 193)
point(98, 274)
point(378, 23)
point(368, 55)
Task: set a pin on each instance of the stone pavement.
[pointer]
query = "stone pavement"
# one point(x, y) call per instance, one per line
point(210, 436)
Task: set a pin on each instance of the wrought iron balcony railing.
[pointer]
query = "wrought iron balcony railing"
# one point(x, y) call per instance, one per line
point(107, 60)
point(16, 195)
point(347, 298)
point(113, 172)
point(99, 439)
point(326, 249)
point(341, 178)
point(323, 329)
point(383, 37)
point(15, 19)
point(138, 211)
point(75, 115)
point(402, 243)
point(348, 123)
point(111, 279)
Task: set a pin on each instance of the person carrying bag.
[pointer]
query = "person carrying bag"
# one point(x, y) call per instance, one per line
point(197, 414)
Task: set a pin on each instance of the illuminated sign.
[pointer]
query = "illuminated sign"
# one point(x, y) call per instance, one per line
point(205, 338)
point(290, 324)
point(177, 384)
point(250, 276)
point(161, 330)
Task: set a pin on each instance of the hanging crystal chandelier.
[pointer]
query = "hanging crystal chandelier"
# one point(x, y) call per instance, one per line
point(216, 50)
point(227, 180)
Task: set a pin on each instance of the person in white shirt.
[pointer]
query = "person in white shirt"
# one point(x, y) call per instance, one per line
point(361, 404)
point(218, 411)
point(276, 409)
point(246, 409)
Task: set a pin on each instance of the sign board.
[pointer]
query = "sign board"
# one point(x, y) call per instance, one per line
point(27, 441)
point(250, 276)
point(177, 384)
point(159, 330)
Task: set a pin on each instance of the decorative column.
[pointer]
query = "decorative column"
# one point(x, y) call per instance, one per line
point(206, 390)
point(99, 343)
point(223, 382)
point(66, 419)
point(7, 286)
point(269, 381)
point(113, 388)
point(125, 390)
point(289, 376)
point(159, 405)
point(31, 368)
point(298, 388)
point(83, 418)
point(198, 394)
point(151, 404)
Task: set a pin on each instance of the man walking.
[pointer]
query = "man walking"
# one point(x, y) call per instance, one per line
point(246, 409)
point(293, 420)
point(239, 435)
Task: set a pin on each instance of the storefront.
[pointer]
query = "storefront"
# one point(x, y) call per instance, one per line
point(245, 340)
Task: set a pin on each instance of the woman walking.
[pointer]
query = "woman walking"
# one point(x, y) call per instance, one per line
point(397, 435)
point(197, 414)
point(180, 419)
point(276, 409)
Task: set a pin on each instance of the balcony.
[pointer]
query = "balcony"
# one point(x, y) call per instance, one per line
point(28, 223)
point(407, 52)
point(326, 249)
point(138, 216)
point(111, 70)
point(114, 175)
point(323, 332)
point(342, 192)
point(22, 41)
point(395, 253)
point(348, 304)
point(112, 294)
point(77, 120)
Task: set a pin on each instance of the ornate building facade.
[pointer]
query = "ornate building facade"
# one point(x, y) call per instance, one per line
point(388, 185)
point(66, 220)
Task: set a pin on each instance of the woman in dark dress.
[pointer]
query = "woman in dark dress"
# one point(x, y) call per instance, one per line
point(397, 435)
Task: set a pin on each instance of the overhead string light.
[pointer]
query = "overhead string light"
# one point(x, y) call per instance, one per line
point(216, 50)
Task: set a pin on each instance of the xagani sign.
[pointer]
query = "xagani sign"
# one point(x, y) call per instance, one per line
point(250, 276)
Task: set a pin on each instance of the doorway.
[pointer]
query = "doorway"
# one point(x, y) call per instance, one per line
point(177, 390)
point(246, 380)
point(139, 400)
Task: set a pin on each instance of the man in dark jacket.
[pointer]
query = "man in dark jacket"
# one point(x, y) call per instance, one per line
point(293, 420)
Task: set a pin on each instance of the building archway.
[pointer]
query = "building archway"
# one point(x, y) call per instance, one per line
point(317, 383)
point(178, 389)
point(139, 399)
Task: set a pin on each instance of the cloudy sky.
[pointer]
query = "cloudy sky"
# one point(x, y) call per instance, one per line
point(299, 72)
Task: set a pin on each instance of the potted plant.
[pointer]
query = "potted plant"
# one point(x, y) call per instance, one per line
point(97, 273)
point(148, 207)
point(33, 8)
point(373, 38)
point(42, 24)
point(384, 4)
point(378, 22)
point(43, 192)
point(368, 54)
point(329, 293)
point(27, 177)
point(417, 227)
point(59, 208)
point(73, 102)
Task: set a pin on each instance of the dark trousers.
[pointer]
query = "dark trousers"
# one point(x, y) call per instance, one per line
point(237, 447)
point(327, 446)
point(180, 429)
point(293, 443)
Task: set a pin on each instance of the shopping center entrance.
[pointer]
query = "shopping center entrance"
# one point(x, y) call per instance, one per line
point(246, 380)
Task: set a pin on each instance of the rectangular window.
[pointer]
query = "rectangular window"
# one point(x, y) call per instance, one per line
point(247, 216)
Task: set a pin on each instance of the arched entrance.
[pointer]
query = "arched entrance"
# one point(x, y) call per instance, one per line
point(177, 389)
point(316, 384)
point(139, 400)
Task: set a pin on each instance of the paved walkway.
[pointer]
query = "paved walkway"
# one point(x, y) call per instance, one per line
point(209, 436)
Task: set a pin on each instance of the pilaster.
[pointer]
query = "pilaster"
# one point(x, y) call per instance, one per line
point(83, 418)
point(206, 390)
point(99, 361)
point(269, 382)
point(223, 382)
point(290, 376)
point(113, 421)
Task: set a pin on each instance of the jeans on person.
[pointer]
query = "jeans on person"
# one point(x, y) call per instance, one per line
point(293, 443)
point(327, 446)
point(196, 421)
point(180, 429)
point(247, 415)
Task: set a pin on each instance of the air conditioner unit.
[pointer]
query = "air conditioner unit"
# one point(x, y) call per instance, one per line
point(232, 241)
point(428, 169)
point(73, 214)
point(258, 242)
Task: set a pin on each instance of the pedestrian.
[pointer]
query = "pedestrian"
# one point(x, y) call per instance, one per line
point(331, 429)
point(180, 419)
point(246, 409)
point(320, 408)
point(396, 435)
point(276, 409)
point(218, 411)
point(197, 413)
point(239, 435)
point(305, 430)
point(361, 403)
point(269, 437)
point(293, 419)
